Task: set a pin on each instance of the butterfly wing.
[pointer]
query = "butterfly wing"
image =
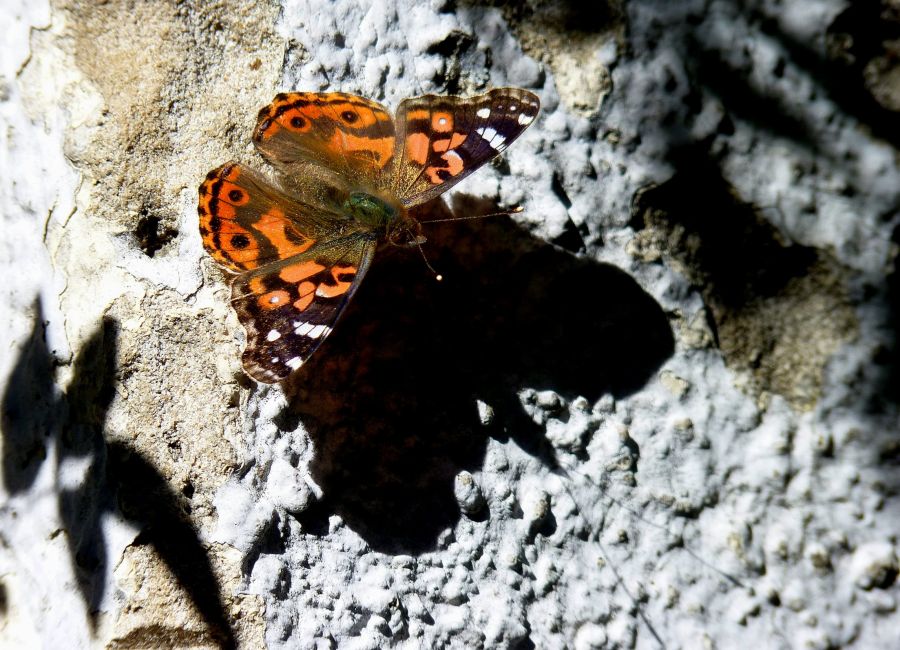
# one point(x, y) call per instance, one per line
point(298, 265)
point(441, 140)
point(246, 222)
point(290, 307)
point(351, 136)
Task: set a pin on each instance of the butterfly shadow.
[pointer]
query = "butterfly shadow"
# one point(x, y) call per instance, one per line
point(391, 401)
point(42, 424)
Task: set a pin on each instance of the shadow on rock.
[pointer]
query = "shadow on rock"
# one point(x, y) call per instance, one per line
point(31, 410)
point(36, 416)
point(391, 399)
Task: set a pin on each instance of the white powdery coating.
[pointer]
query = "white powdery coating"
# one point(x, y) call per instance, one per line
point(701, 441)
point(286, 486)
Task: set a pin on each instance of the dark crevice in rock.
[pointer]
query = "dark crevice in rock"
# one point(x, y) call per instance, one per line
point(152, 234)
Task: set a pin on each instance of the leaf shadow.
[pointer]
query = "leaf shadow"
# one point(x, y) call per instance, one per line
point(116, 478)
point(391, 401)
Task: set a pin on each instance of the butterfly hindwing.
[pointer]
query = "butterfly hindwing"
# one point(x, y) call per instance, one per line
point(287, 309)
point(441, 140)
point(350, 135)
point(246, 222)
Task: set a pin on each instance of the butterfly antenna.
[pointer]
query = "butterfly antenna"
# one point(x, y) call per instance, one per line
point(437, 276)
point(515, 210)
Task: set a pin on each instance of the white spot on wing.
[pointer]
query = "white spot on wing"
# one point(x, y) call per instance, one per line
point(483, 113)
point(302, 329)
point(490, 135)
point(318, 330)
point(273, 335)
point(525, 119)
point(451, 154)
point(274, 299)
point(294, 363)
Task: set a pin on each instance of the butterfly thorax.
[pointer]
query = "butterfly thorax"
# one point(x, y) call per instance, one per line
point(381, 214)
point(371, 210)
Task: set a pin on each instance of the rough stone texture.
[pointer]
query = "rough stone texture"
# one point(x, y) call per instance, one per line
point(657, 408)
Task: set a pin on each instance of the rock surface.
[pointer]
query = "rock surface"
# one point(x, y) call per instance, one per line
point(657, 408)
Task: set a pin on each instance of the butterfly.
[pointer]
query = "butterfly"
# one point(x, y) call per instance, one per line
point(348, 175)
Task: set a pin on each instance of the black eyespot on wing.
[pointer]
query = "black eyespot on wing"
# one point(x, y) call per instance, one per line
point(240, 241)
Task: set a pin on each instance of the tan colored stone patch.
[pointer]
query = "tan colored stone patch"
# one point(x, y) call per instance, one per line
point(159, 613)
point(785, 341)
point(153, 95)
point(180, 84)
point(779, 311)
point(568, 37)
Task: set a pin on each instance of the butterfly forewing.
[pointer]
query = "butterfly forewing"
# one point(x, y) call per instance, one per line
point(246, 222)
point(349, 135)
point(441, 140)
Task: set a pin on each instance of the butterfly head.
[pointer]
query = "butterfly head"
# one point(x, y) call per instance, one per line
point(406, 232)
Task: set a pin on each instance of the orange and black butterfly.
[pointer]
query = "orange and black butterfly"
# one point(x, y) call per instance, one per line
point(349, 174)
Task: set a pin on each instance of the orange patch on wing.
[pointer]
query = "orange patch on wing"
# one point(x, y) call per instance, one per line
point(304, 301)
point(418, 114)
point(448, 143)
point(360, 115)
point(257, 285)
point(300, 271)
point(233, 194)
point(225, 211)
point(300, 120)
point(246, 258)
point(381, 148)
point(417, 147)
point(264, 132)
point(442, 122)
point(275, 226)
point(453, 167)
point(341, 286)
point(226, 252)
point(273, 299)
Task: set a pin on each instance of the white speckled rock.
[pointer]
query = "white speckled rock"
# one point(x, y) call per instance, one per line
point(657, 408)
